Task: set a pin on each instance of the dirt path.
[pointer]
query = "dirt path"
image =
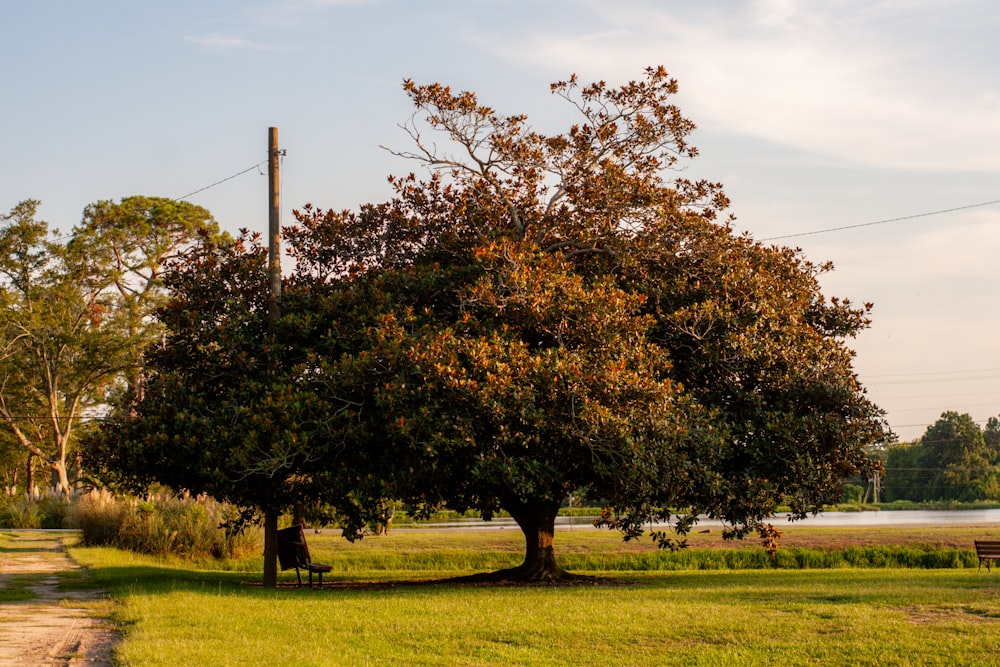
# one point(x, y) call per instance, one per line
point(56, 624)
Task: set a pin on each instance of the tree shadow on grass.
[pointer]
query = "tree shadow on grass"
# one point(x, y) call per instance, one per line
point(478, 580)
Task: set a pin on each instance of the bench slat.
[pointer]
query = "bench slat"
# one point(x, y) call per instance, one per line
point(989, 548)
point(987, 551)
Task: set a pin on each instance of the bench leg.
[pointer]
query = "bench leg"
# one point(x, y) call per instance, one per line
point(319, 579)
point(298, 575)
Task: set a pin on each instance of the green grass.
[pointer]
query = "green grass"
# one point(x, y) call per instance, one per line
point(457, 552)
point(14, 588)
point(381, 610)
point(17, 586)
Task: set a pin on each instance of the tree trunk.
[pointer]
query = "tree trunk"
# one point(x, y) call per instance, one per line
point(270, 549)
point(537, 520)
point(60, 480)
point(29, 480)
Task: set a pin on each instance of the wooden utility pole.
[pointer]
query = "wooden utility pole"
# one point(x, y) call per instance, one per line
point(273, 313)
point(274, 224)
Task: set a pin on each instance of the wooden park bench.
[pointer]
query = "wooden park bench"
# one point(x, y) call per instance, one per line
point(294, 552)
point(987, 550)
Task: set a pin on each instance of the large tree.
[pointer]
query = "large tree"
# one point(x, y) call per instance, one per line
point(543, 314)
point(75, 314)
point(128, 244)
point(61, 343)
point(954, 447)
point(553, 312)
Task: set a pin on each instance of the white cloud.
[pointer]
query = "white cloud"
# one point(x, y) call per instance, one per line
point(860, 82)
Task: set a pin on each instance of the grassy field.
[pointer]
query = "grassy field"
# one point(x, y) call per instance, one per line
point(387, 604)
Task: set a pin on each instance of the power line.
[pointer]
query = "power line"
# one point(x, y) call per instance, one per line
point(207, 187)
point(978, 421)
point(978, 394)
point(917, 381)
point(882, 222)
point(969, 370)
point(220, 182)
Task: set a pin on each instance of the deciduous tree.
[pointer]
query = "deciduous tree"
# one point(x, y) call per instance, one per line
point(62, 343)
point(76, 313)
point(951, 461)
point(544, 313)
point(553, 312)
point(128, 245)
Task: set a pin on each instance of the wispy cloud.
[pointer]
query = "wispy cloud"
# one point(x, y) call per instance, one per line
point(339, 3)
point(222, 42)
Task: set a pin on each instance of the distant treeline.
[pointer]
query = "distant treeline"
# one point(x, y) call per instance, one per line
point(955, 459)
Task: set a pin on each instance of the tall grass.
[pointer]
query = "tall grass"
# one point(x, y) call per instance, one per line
point(795, 558)
point(160, 524)
point(34, 509)
point(457, 552)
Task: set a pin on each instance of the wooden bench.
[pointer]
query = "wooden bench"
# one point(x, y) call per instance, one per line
point(294, 552)
point(986, 551)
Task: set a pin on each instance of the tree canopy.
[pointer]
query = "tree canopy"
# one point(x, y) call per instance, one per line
point(217, 414)
point(129, 244)
point(543, 314)
point(548, 313)
point(230, 404)
point(73, 322)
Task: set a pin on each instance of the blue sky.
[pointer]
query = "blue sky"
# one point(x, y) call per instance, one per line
point(814, 115)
